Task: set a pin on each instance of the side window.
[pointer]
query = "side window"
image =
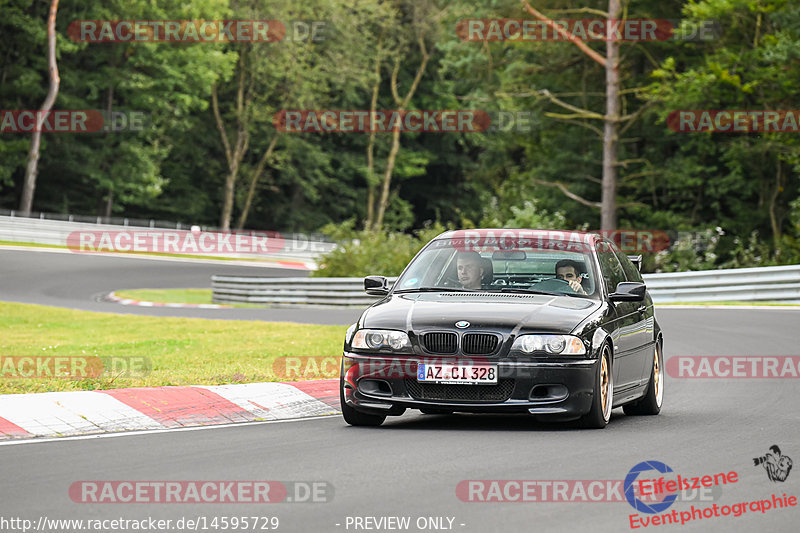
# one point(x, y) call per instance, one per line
point(631, 272)
point(609, 264)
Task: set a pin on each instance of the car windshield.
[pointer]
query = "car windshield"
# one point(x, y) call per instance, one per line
point(502, 265)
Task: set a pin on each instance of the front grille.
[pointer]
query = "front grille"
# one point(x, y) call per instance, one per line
point(461, 393)
point(479, 343)
point(440, 343)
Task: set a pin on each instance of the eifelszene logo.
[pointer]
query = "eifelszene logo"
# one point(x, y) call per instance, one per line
point(630, 484)
point(777, 466)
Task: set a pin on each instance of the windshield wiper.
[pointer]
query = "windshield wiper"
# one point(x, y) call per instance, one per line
point(534, 291)
point(433, 289)
point(527, 291)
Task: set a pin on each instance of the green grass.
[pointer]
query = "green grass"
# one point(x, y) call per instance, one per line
point(767, 304)
point(179, 296)
point(180, 351)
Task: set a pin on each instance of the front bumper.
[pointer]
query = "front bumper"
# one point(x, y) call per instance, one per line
point(388, 385)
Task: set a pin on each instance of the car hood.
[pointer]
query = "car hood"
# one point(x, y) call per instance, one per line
point(501, 312)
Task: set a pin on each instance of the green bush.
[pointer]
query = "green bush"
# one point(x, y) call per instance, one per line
point(362, 253)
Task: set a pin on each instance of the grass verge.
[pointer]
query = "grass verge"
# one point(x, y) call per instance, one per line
point(177, 296)
point(180, 351)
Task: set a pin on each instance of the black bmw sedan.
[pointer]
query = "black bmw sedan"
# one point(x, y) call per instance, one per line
point(556, 324)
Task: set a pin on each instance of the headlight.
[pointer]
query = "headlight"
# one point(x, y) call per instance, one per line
point(552, 344)
point(378, 339)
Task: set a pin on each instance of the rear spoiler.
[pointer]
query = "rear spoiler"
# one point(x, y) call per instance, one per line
point(636, 260)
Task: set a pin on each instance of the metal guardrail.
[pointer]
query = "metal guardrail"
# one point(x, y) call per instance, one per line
point(297, 247)
point(310, 291)
point(742, 284)
point(780, 283)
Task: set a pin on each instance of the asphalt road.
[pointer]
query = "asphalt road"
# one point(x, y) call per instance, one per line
point(412, 464)
point(80, 281)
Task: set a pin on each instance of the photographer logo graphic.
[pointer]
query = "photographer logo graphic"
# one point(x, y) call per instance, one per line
point(777, 466)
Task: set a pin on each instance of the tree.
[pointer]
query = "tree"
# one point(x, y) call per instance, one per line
point(29, 184)
point(611, 119)
point(743, 182)
point(422, 17)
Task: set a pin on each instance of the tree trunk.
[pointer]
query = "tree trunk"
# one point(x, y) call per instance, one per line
point(773, 217)
point(611, 120)
point(29, 183)
point(401, 108)
point(373, 106)
point(109, 110)
point(109, 203)
point(371, 162)
point(387, 179)
point(251, 191)
point(227, 201)
point(608, 200)
point(234, 155)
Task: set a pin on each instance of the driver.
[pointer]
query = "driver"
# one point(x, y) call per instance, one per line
point(570, 271)
point(470, 270)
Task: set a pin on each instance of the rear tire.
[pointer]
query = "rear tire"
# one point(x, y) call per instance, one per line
point(650, 403)
point(602, 395)
point(354, 417)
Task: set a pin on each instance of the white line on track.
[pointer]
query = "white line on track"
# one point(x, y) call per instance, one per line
point(35, 440)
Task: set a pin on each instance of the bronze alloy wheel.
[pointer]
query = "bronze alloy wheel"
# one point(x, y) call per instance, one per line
point(658, 374)
point(605, 385)
point(650, 402)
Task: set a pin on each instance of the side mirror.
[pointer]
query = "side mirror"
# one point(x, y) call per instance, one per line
point(376, 285)
point(629, 291)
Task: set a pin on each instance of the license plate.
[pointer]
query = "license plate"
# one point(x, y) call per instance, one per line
point(444, 373)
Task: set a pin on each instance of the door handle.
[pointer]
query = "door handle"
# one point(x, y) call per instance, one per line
point(642, 308)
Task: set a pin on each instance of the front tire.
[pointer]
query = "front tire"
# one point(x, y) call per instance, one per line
point(354, 417)
point(650, 403)
point(603, 394)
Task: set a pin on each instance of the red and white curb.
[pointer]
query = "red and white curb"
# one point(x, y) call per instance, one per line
point(61, 414)
point(112, 297)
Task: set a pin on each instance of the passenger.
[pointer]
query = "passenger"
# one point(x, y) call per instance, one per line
point(470, 270)
point(570, 271)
